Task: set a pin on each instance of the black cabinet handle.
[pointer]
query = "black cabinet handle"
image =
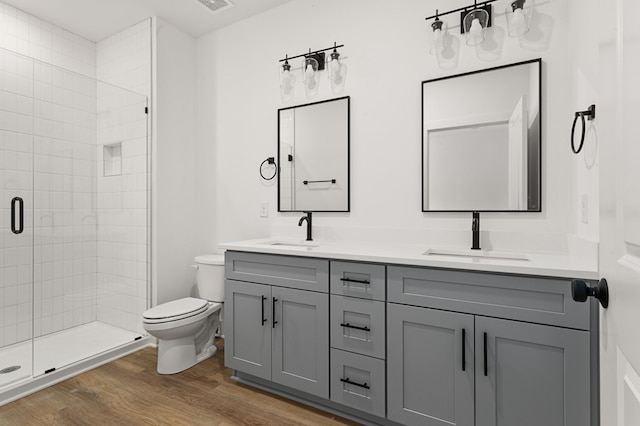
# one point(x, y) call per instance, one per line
point(273, 313)
point(352, 280)
point(360, 385)
point(464, 355)
point(347, 325)
point(485, 354)
point(14, 201)
point(263, 318)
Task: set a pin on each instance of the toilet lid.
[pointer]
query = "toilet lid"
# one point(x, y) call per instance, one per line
point(177, 308)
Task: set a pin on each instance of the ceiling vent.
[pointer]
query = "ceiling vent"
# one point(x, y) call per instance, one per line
point(216, 5)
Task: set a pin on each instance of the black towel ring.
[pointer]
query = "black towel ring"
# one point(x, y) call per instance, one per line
point(590, 113)
point(269, 160)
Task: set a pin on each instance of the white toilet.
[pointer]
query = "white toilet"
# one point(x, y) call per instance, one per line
point(185, 328)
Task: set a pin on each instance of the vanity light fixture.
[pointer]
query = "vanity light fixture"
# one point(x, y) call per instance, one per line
point(475, 23)
point(310, 76)
point(518, 14)
point(337, 71)
point(287, 81)
point(474, 20)
point(312, 64)
point(439, 35)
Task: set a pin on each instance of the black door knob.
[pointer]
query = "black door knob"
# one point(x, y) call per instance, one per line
point(580, 291)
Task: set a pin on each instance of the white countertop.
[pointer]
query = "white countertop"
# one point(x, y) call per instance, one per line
point(540, 264)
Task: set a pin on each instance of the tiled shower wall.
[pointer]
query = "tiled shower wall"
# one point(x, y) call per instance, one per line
point(48, 135)
point(53, 126)
point(125, 61)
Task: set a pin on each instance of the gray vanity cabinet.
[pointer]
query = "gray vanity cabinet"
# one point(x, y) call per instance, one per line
point(536, 374)
point(430, 366)
point(247, 340)
point(300, 339)
point(393, 344)
point(277, 319)
point(515, 372)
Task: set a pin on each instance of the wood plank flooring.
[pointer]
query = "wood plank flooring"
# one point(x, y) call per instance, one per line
point(130, 392)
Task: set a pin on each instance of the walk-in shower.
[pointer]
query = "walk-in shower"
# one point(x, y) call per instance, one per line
point(74, 221)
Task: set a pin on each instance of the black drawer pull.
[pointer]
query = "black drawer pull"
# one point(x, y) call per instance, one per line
point(360, 385)
point(273, 313)
point(347, 325)
point(464, 355)
point(485, 354)
point(263, 318)
point(352, 280)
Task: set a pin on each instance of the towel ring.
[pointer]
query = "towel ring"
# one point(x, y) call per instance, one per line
point(269, 160)
point(590, 113)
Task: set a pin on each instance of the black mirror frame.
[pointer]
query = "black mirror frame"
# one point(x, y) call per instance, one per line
point(348, 99)
point(540, 113)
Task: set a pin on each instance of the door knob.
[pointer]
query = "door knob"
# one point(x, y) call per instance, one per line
point(580, 291)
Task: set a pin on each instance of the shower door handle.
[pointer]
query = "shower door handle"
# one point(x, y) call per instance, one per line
point(14, 201)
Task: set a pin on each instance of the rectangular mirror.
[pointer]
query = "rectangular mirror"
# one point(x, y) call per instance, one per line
point(481, 140)
point(313, 154)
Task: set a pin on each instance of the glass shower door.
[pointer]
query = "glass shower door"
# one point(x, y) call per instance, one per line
point(16, 217)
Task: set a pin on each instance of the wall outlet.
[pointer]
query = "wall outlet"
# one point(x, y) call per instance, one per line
point(264, 209)
point(584, 208)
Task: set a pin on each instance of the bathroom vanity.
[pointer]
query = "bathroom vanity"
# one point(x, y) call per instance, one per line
point(400, 335)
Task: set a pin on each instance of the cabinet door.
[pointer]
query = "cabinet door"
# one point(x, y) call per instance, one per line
point(247, 343)
point(301, 340)
point(535, 374)
point(427, 382)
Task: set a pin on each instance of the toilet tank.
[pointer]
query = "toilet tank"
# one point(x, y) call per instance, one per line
point(210, 277)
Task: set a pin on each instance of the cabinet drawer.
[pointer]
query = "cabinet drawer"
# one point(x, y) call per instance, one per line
point(284, 271)
point(358, 381)
point(358, 325)
point(363, 280)
point(532, 299)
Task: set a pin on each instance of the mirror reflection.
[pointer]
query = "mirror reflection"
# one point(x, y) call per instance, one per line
point(313, 153)
point(481, 144)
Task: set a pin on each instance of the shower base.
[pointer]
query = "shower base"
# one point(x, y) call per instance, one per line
point(60, 351)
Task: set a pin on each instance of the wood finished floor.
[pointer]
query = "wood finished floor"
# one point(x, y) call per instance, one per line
point(130, 392)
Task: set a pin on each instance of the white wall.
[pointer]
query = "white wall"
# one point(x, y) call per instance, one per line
point(175, 164)
point(386, 51)
point(584, 57)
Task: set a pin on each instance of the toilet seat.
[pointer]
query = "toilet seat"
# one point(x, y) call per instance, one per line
point(175, 310)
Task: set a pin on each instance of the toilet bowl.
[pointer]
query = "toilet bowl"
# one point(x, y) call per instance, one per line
point(185, 328)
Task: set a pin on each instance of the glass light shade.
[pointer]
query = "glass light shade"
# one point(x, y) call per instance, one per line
point(337, 74)
point(310, 77)
point(438, 37)
point(518, 14)
point(287, 83)
point(447, 57)
point(475, 24)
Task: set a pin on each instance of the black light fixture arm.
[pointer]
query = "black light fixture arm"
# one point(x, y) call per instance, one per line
point(461, 9)
point(310, 53)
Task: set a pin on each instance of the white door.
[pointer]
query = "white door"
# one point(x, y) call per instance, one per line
point(618, 114)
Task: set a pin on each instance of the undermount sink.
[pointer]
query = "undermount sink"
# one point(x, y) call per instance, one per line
point(285, 243)
point(478, 254)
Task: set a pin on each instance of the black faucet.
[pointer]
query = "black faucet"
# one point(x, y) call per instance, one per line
point(307, 217)
point(475, 229)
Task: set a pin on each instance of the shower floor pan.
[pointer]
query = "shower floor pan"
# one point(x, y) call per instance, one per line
point(59, 349)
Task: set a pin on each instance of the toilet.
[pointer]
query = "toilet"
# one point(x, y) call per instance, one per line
point(185, 328)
